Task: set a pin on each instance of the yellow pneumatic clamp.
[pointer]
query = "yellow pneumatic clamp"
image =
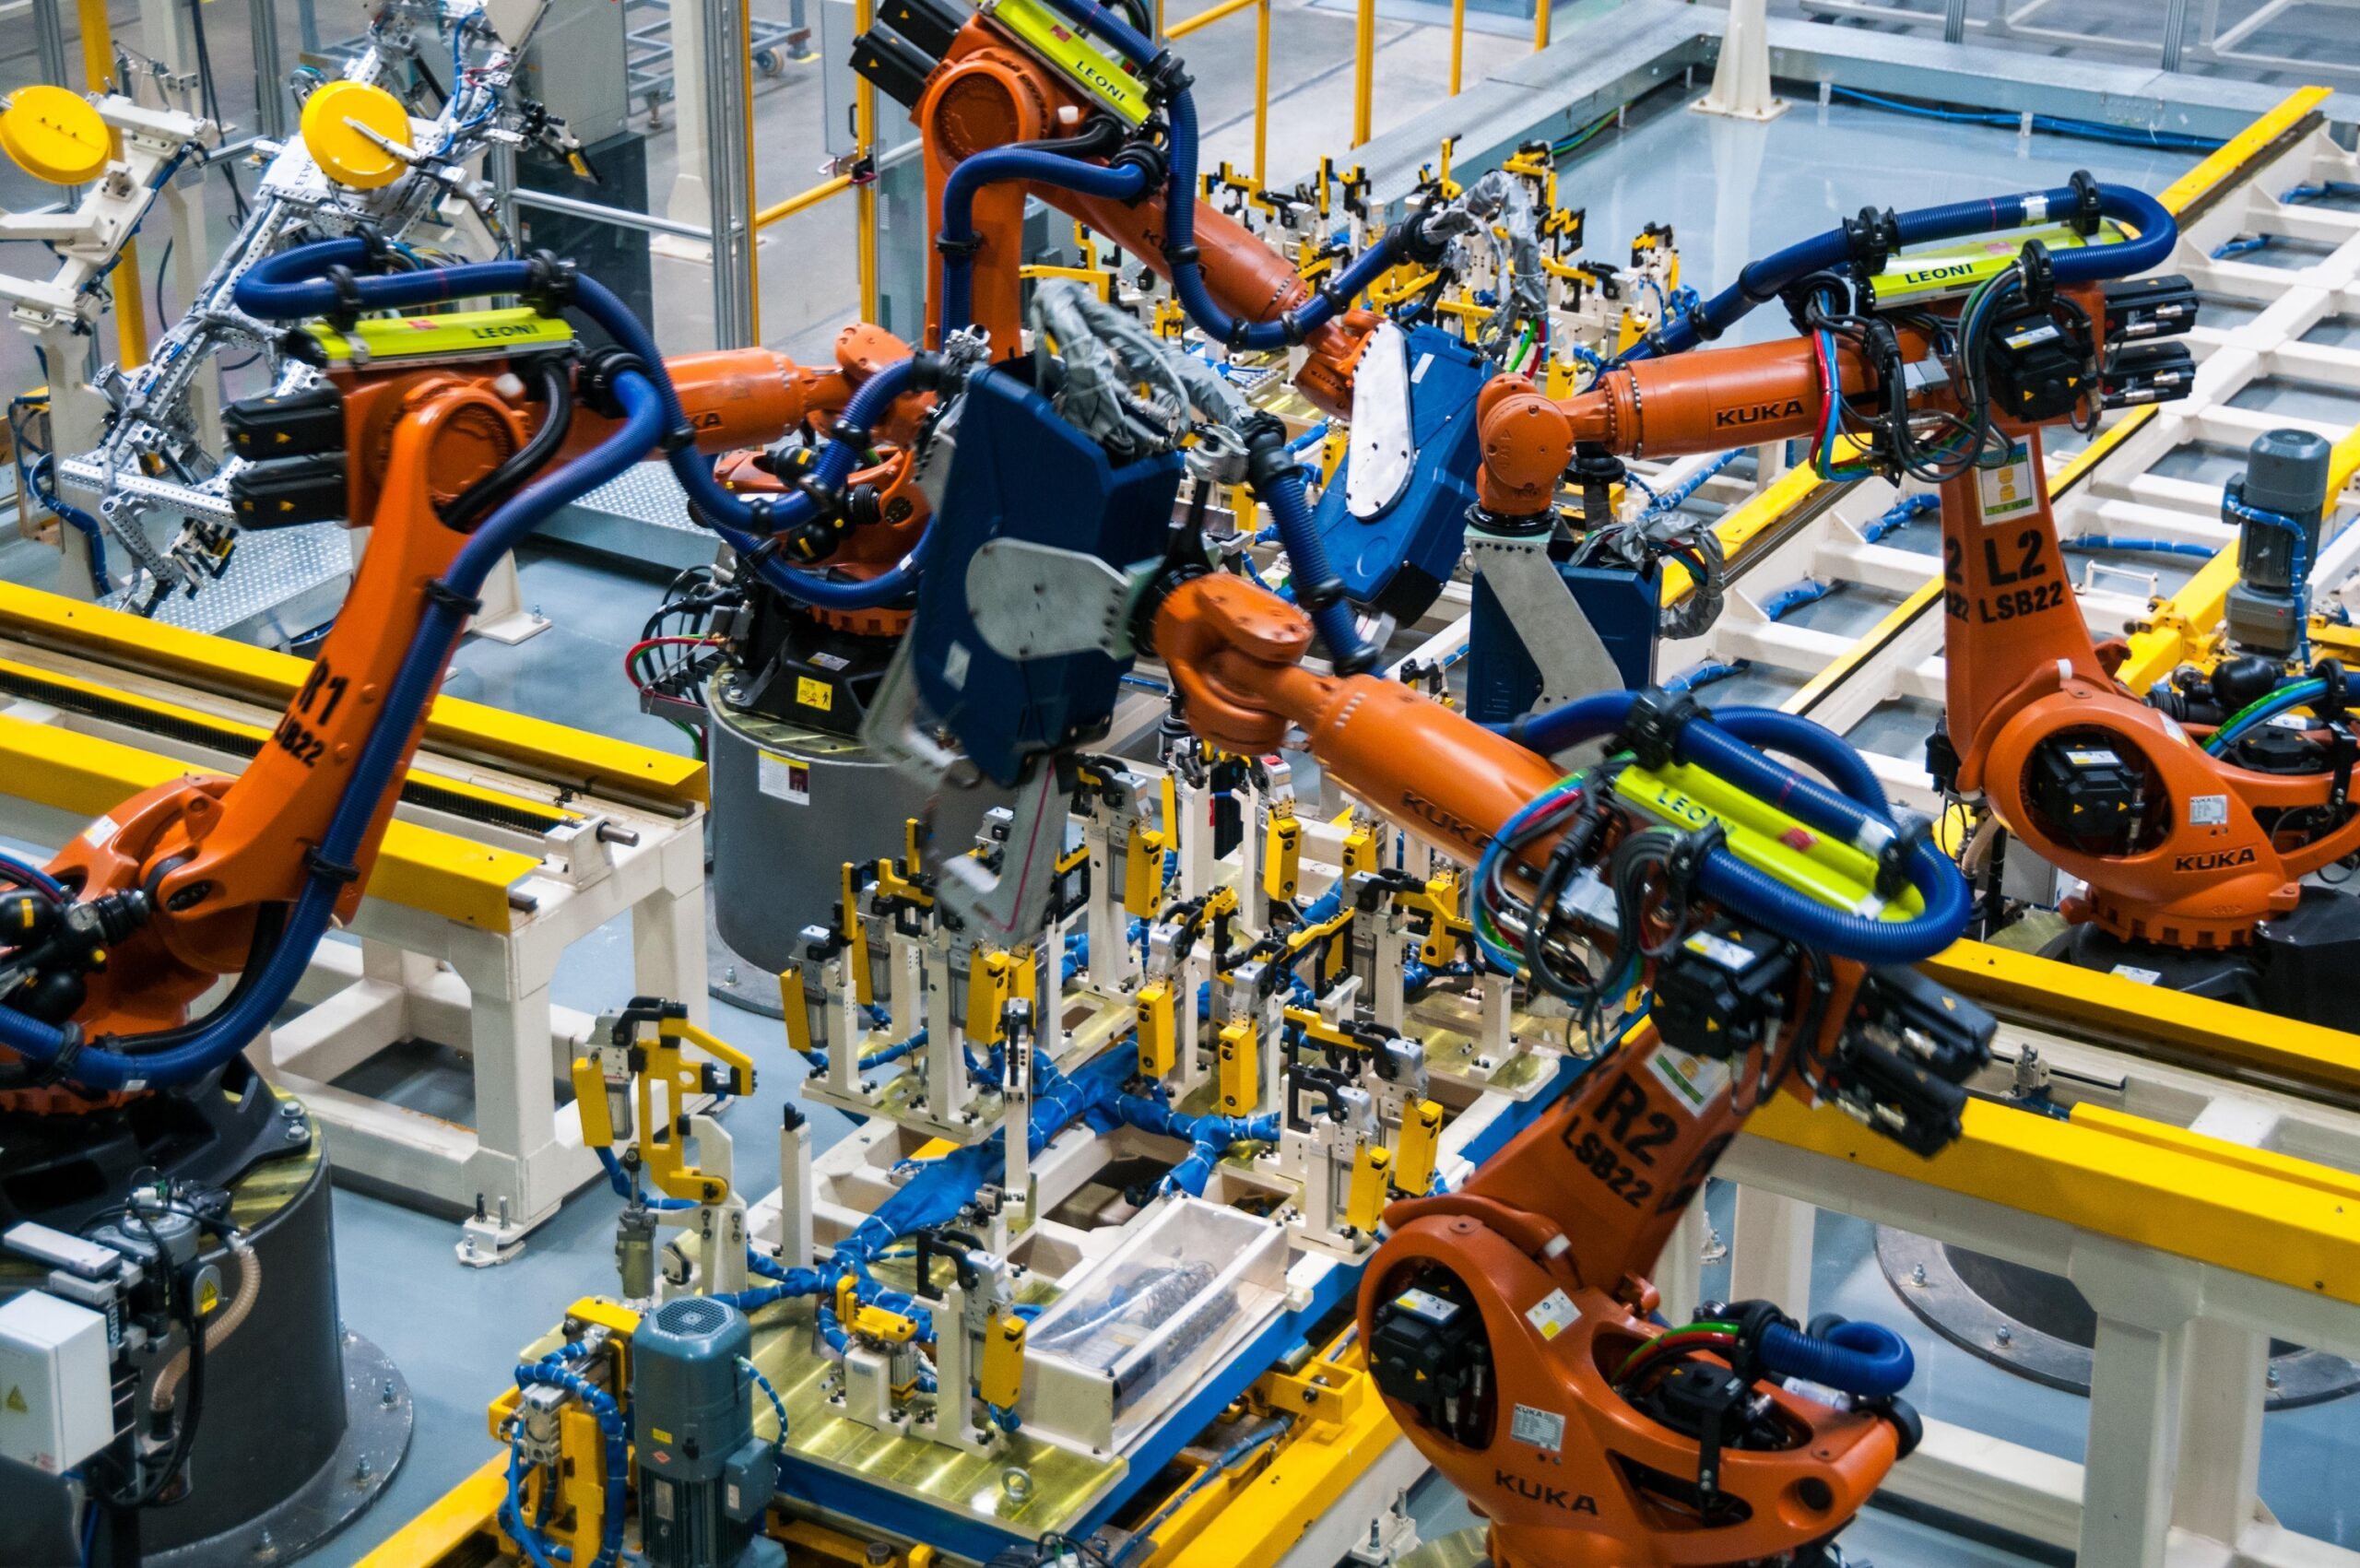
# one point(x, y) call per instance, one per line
point(633, 1055)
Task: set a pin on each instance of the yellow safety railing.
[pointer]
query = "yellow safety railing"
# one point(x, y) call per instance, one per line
point(1206, 18)
point(130, 305)
point(777, 211)
point(1539, 25)
point(863, 136)
point(1364, 70)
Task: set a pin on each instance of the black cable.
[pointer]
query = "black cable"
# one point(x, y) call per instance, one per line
point(269, 921)
point(212, 100)
point(557, 392)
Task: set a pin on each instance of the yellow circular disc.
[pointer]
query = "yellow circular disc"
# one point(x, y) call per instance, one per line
point(54, 134)
point(344, 155)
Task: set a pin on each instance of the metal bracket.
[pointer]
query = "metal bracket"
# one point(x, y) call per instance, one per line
point(1572, 659)
point(1011, 908)
point(1033, 601)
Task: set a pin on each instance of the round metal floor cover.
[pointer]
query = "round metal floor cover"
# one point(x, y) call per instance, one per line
point(2038, 1326)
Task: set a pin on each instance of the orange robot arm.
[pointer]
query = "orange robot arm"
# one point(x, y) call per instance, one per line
point(1541, 1258)
point(990, 92)
point(2023, 676)
point(212, 853)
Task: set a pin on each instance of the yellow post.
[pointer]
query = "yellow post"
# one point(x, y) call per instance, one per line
point(1539, 25)
point(863, 136)
point(130, 304)
point(1457, 41)
point(1261, 94)
point(1364, 70)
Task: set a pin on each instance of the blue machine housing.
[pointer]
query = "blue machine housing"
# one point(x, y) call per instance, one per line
point(1021, 472)
point(1396, 561)
point(1624, 607)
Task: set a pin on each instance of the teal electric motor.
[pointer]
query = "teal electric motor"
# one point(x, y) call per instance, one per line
point(704, 1477)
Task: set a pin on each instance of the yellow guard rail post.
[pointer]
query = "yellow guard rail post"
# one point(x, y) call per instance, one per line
point(1364, 69)
point(1206, 18)
point(130, 304)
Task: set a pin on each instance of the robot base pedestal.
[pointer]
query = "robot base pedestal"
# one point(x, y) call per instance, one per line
point(304, 1422)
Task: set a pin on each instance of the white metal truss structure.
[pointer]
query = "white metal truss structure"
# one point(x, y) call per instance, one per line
point(2180, 1369)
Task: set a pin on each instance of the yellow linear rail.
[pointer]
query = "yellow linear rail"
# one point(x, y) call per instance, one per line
point(2181, 1194)
point(418, 867)
point(449, 1524)
point(1341, 1430)
point(2221, 165)
point(157, 711)
point(592, 762)
point(1745, 522)
point(2215, 1032)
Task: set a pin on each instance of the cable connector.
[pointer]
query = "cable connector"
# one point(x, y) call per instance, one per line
point(442, 593)
point(1873, 237)
point(2037, 270)
point(549, 283)
point(2088, 208)
point(344, 314)
point(1892, 860)
point(595, 383)
point(1148, 159)
point(1167, 77)
point(335, 871)
point(1651, 730)
point(955, 249)
point(2329, 704)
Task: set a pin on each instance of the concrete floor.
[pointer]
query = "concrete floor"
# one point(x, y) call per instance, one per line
point(1731, 190)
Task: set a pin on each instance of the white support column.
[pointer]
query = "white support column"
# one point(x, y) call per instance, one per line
point(668, 946)
point(691, 200)
point(1742, 79)
point(2226, 1373)
point(2144, 1303)
point(795, 1190)
point(1114, 965)
point(1770, 1251)
point(509, 1051)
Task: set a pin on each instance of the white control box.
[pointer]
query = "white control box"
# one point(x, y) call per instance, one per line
point(57, 1399)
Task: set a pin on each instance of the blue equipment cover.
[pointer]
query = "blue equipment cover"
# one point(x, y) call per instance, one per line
point(1021, 472)
point(1395, 560)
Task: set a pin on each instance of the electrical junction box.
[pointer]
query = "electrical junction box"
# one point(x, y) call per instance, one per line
point(57, 1399)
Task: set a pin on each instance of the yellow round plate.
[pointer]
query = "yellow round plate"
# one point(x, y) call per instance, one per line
point(343, 153)
point(54, 134)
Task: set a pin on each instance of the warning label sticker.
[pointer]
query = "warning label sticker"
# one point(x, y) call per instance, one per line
point(783, 778)
point(1553, 1314)
point(1693, 1080)
point(2007, 488)
point(1543, 1429)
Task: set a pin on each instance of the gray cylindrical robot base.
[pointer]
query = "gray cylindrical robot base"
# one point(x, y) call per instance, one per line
point(790, 806)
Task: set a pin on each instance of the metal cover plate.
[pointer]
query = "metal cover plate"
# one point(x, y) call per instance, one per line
point(1379, 450)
